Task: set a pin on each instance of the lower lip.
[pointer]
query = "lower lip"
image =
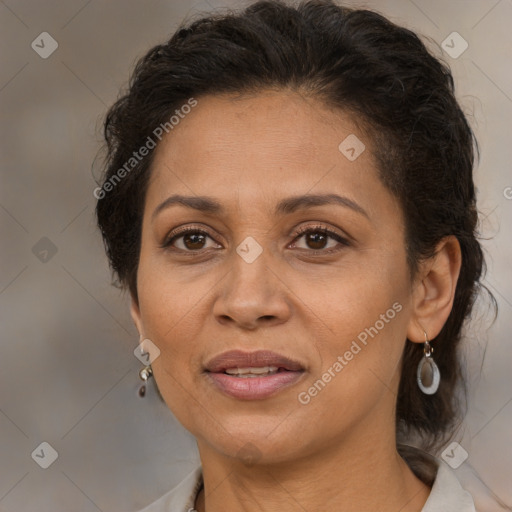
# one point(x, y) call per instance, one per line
point(254, 388)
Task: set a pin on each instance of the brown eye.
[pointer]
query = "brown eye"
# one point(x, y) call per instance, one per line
point(190, 240)
point(194, 241)
point(319, 239)
point(316, 240)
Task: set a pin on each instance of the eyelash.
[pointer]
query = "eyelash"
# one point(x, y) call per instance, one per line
point(167, 244)
point(324, 231)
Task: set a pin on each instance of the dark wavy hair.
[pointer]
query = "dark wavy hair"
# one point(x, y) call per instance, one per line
point(359, 62)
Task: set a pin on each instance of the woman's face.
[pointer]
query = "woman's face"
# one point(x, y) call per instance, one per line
point(254, 174)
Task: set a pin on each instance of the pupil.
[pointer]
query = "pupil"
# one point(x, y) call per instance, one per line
point(193, 241)
point(316, 240)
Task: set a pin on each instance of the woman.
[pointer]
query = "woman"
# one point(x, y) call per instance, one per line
point(288, 197)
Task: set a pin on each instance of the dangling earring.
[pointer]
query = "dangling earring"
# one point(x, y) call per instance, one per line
point(144, 374)
point(428, 375)
point(146, 353)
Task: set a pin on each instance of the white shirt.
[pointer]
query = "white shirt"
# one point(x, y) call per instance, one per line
point(447, 495)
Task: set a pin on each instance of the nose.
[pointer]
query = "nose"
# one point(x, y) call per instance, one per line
point(252, 295)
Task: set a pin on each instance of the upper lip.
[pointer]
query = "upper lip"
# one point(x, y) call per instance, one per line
point(258, 359)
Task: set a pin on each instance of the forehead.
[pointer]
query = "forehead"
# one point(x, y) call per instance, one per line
point(263, 145)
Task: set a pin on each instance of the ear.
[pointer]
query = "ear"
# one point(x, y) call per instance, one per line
point(434, 290)
point(136, 316)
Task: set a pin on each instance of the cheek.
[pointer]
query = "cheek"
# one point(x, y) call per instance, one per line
point(169, 295)
point(170, 320)
point(362, 316)
point(353, 298)
point(360, 364)
point(170, 309)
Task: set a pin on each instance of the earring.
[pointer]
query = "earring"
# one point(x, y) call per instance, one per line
point(144, 374)
point(428, 375)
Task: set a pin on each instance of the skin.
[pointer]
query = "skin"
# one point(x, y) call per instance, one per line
point(338, 451)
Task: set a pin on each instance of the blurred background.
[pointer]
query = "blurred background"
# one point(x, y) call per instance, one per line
point(68, 375)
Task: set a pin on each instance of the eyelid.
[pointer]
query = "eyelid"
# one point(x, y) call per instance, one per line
point(342, 238)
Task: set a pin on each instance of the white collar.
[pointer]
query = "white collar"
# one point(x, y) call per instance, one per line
point(447, 494)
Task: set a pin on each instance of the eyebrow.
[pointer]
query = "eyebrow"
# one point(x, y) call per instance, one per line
point(200, 203)
point(285, 206)
point(292, 204)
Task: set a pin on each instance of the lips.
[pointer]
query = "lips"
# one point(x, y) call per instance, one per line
point(259, 359)
point(252, 375)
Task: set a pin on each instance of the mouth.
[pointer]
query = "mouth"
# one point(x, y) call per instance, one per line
point(247, 373)
point(252, 375)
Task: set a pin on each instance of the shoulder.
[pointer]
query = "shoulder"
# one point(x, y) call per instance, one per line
point(447, 493)
point(181, 498)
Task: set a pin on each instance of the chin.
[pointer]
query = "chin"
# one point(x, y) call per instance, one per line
point(251, 445)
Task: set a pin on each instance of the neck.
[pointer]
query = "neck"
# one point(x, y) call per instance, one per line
point(354, 477)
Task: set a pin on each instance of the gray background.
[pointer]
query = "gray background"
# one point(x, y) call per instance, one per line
point(67, 369)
